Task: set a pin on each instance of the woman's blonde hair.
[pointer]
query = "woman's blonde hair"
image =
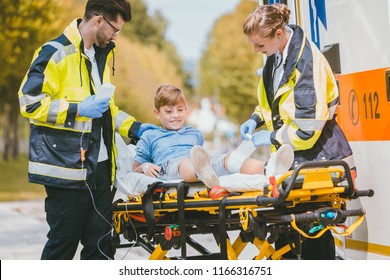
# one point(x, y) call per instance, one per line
point(264, 20)
point(168, 95)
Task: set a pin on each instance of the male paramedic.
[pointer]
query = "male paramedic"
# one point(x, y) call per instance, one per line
point(72, 125)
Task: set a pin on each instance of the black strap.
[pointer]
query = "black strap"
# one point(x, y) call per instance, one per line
point(147, 206)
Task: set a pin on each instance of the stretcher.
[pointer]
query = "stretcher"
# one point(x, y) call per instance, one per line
point(300, 204)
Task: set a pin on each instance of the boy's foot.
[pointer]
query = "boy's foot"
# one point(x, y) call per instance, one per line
point(202, 165)
point(280, 162)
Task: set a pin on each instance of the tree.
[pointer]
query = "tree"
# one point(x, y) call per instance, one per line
point(147, 61)
point(228, 65)
point(150, 30)
point(23, 26)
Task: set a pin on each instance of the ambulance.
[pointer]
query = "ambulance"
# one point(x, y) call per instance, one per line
point(354, 35)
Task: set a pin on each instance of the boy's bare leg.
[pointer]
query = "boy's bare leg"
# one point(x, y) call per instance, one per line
point(187, 171)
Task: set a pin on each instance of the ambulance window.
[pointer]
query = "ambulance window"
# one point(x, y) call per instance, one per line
point(388, 85)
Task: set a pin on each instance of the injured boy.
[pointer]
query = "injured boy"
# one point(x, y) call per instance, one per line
point(174, 152)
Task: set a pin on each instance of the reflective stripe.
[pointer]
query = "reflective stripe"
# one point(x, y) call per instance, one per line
point(62, 51)
point(30, 99)
point(309, 124)
point(57, 172)
point(285, 138)
point(120, 118)
point(78, 126)
point(53, 111)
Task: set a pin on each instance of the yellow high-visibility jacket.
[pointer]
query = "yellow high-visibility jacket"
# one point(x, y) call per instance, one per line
point(301, 113)
point(58, 79)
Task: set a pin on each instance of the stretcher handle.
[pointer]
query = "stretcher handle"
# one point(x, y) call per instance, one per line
point(369, 193)
point(316, 215)
point(274, 201)
point(316, 164)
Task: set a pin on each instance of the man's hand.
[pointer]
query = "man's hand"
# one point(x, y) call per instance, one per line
point(93, 108)
point(144, 127)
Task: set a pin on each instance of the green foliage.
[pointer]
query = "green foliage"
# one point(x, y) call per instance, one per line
point(228, 65)
point(24, 23)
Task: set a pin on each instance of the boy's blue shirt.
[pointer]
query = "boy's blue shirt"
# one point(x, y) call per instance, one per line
point(159, 145)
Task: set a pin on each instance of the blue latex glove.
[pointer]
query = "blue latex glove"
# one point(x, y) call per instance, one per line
point(247, 127)
point(93, 108)
point(143, 127)
point(262, 138)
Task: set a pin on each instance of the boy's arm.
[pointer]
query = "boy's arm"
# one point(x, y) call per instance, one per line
point(137, 167)
point(149, 169)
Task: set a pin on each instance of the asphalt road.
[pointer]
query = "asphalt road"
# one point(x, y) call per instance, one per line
point(23, 232)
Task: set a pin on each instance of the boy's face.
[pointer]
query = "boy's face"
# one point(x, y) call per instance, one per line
point(171, 117)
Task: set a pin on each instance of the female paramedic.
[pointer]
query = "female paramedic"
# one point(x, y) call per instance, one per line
point(298, 98)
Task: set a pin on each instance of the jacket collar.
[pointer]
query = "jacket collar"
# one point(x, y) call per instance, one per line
point(294, 52)
point(72, 32)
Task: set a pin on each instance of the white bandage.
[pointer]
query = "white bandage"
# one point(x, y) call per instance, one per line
point(238, 156)
point(145, 166)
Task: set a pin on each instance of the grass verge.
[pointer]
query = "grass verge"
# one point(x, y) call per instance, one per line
point(14, 183)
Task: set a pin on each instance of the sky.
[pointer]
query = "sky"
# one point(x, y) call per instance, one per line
point(190, 21)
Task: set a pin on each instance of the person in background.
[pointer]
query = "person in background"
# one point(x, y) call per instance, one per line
point(72, 123)
point(298, 98)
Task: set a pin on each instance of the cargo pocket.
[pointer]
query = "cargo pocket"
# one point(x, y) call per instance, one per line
point(58, 221)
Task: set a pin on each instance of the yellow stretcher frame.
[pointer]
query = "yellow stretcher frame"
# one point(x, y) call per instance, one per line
point(304, 202)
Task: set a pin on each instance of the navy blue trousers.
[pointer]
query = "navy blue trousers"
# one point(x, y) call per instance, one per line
point(72, 219)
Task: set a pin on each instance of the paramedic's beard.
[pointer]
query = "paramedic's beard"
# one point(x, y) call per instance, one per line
point(102, 40)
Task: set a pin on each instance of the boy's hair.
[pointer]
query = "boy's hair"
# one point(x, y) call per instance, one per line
point(110, 9)
point(168, 95)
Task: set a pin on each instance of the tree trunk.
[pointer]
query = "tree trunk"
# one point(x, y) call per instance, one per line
point(15, 126)
point(6, 132)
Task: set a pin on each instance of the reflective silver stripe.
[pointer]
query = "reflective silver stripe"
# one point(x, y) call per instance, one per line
point(57, 172)
point(309, 124)
point(83, 126)
point(285, 138)
point(62, 51)
point(53, 111)
point(30, 99)
point(56, 45)
point(78, 126)
point(120, 118)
